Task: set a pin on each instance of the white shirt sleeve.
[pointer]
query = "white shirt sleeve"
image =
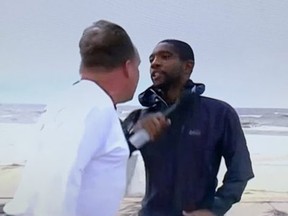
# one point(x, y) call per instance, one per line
point(81, 149)
point(60, 196)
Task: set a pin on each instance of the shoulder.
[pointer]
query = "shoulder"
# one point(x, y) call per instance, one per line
point(218, 108)
point(81, 102)
point(216, 104)
point(88, 94)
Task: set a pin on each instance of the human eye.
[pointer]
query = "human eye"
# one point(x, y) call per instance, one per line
point(166, 56)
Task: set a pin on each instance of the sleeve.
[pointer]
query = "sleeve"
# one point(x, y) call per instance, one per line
point(238, 163)
point(60, 198)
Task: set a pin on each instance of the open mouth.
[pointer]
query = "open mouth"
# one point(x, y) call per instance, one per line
point(156, 75)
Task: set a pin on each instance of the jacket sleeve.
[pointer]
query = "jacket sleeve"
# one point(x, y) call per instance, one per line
point(238, 163)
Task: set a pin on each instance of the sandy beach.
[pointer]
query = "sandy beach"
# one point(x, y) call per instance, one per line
point(266, 193)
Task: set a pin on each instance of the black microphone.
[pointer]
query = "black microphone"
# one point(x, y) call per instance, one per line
point(141, 137)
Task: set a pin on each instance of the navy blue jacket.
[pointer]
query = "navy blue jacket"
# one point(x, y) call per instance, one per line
point(182, 165)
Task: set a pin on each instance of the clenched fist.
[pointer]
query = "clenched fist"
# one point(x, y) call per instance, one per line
point(201, 212)
point(154, 124)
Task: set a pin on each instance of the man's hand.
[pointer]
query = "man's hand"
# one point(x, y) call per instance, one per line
point(201, 212)
point(154, 124)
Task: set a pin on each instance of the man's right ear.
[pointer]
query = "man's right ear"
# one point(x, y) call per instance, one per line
point(126, 67)
point(130, 68)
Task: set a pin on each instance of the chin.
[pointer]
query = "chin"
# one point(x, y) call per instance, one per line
point(159, 85)
point(126, 99)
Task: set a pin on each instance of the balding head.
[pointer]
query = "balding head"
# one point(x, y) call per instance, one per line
point(106, 45)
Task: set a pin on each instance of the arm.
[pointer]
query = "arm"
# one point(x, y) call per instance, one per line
point(67, 145)
point(238, 163)
point(78, 148)
point(92, 141)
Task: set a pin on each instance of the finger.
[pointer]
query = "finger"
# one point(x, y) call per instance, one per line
point(152, 127)
point(186, 213)
point(156, 128)
point(154, 124)
point(158, 114)
point(160, 117)
point(164, 121)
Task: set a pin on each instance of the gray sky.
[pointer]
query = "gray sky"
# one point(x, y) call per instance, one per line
point(241, 47)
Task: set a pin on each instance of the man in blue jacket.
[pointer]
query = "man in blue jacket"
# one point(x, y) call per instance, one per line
point(182, 165)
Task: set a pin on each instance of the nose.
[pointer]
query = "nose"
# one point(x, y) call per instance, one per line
point(155, 63)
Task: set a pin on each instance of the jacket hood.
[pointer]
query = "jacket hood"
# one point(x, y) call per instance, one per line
point(153, 96)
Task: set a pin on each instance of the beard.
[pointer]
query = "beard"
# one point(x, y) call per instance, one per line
point(166, 81)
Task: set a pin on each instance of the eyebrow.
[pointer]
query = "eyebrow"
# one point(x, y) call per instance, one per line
point(161, 52)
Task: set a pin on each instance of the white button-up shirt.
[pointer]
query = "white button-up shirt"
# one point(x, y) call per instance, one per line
point(80, 167)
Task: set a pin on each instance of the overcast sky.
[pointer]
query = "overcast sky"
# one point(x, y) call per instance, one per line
point(241, 47)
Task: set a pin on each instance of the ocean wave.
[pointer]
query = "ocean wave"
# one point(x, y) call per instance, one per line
point(250, 116)
point(281, 114)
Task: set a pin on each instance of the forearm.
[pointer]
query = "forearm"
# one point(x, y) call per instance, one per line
point(238, 163)
point(228, 194)
point(58, 196)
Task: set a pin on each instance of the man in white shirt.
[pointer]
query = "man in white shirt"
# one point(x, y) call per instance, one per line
point(80, 167)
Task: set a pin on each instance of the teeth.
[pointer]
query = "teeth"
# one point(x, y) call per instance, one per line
point(156, 73)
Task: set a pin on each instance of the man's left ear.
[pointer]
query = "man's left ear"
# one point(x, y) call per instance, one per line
point(188, 67)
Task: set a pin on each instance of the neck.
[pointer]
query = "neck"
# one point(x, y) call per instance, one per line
point(174, 92)
point(172, 95)
point(105, 79)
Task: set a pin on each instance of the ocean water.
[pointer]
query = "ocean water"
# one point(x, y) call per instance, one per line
point(251, 118)
point(255, 117)
point(21, 113)
point(19, 130)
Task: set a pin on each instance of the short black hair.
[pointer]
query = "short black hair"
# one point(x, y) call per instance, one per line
point(105, 44)
point(183, 49)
